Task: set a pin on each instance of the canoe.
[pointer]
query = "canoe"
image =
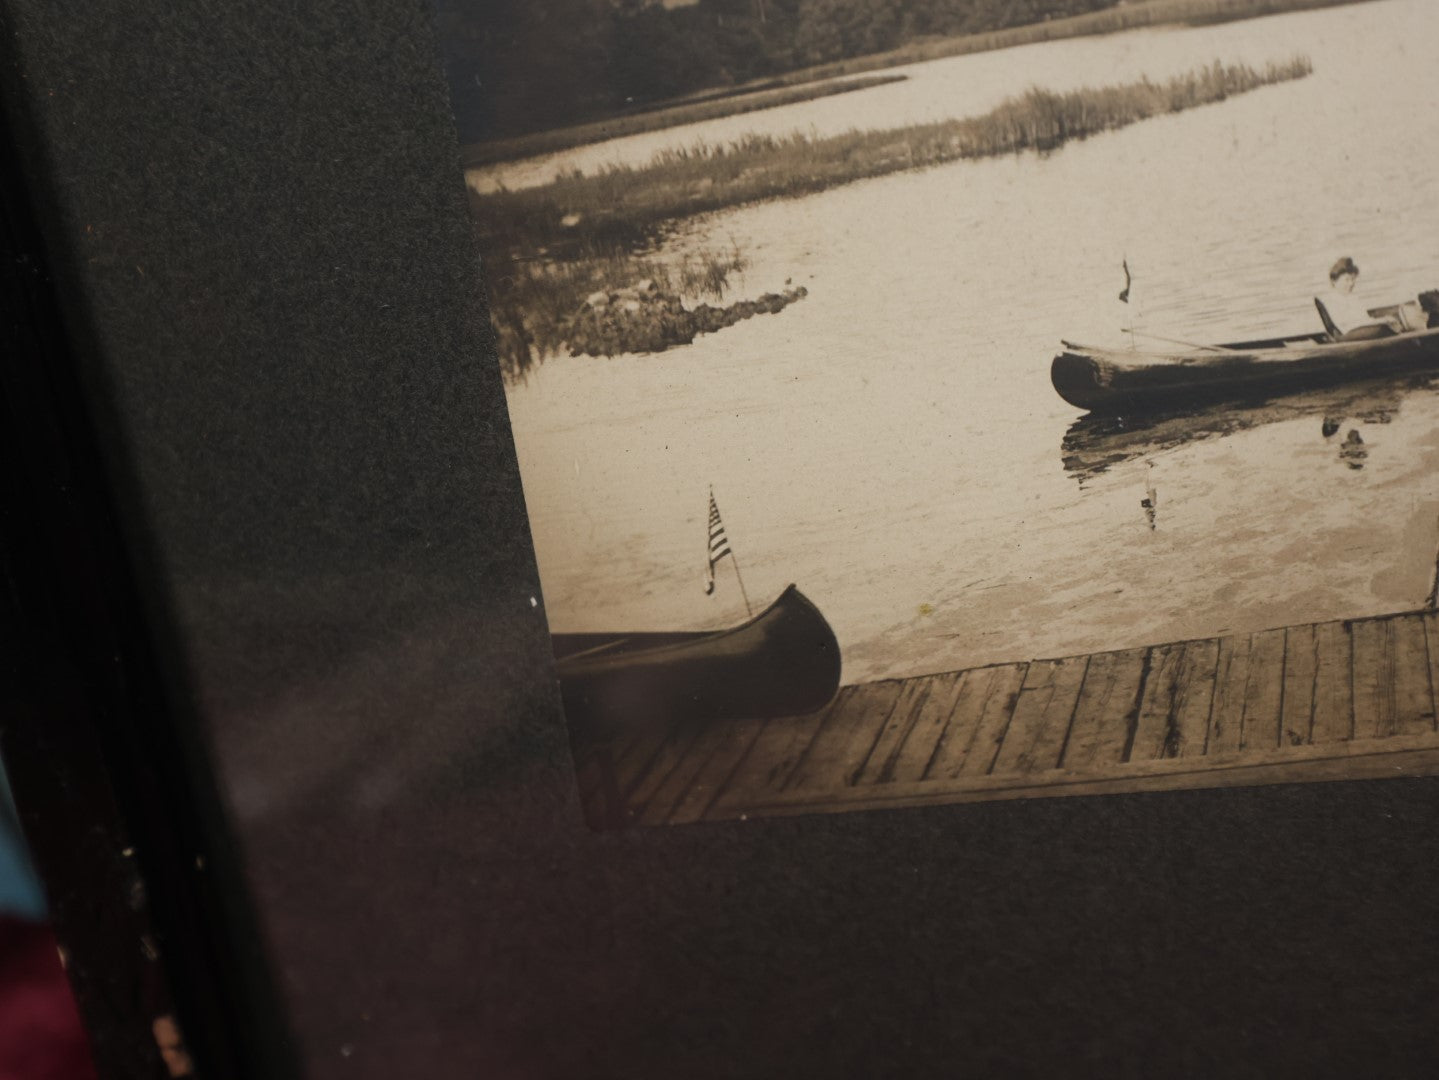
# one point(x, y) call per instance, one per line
point(783, 662)
point(1120, 380)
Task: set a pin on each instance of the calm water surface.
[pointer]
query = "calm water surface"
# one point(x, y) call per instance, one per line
point(892, 443)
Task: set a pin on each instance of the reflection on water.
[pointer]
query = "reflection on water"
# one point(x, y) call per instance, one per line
point(1352, 451)
point(890, 444)
point(1095, 443)
point(1150, 502)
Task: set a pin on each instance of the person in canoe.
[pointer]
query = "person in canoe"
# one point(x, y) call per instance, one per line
point(1344, 314)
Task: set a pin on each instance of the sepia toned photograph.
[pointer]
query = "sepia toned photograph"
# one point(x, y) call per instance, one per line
point(932, 401)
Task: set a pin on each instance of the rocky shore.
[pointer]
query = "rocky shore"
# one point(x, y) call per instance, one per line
point(647, 319)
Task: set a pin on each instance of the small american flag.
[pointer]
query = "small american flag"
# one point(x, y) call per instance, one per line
point(718, 546)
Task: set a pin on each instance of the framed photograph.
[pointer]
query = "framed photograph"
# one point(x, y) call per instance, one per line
point(979, 443)
point(932, 401)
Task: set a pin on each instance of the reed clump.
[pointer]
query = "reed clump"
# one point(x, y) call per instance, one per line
point(534, 300)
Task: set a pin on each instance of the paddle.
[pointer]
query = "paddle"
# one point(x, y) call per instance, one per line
point(1176, 341)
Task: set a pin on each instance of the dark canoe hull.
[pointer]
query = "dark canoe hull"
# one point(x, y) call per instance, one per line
point(1103, 380)
point(783, 662)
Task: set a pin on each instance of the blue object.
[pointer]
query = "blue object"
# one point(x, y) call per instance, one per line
point(20, 893)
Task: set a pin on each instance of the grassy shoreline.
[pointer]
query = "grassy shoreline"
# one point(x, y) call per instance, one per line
point(625, 205)
point(754, 96)
point(549, 247)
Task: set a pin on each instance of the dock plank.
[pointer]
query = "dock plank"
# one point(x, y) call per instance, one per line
point(657, 807)
point(1263, 691)
point(976, 728)
point(1431, 641)
point(1231, 680)
point(1413, 694)
point(1193, 700)
point(634, 758)
point(1156, 705)
point(1301, 659)
point(776, 750)
point(1392, 695)
point(617, 749)
point(931, 725)
point(878, 765)
point(843, 743)
point(1099, 732)
point(713, 777)
point(1374, 704)
point(1042, 713)
point(1333, 684)
point(1373, 679)
point(671, 753)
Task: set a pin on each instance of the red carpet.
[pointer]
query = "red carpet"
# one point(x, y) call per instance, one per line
point(41, 1037)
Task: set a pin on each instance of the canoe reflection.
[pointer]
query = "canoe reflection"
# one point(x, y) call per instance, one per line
point(1095, 443)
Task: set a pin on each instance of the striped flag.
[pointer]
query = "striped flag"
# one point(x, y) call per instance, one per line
point(718, 546)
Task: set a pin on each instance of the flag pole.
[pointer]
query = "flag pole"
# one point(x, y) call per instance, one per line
point(728, 550)
point(748, 610)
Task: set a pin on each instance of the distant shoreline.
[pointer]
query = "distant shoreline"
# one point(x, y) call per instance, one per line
point(820, 81)
point(711, 105)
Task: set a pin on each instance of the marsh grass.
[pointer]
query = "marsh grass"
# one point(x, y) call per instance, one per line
point(551, 246)
point(623, 204)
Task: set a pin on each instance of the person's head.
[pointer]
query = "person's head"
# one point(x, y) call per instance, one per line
point(1343, 274)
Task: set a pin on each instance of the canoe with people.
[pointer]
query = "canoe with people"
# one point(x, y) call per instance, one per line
point(1356, 343)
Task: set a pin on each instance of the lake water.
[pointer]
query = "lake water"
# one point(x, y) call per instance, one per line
point(892, 443)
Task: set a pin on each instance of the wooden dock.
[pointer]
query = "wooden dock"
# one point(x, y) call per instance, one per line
point(1328, 701)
